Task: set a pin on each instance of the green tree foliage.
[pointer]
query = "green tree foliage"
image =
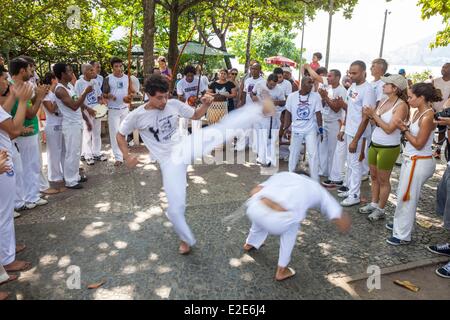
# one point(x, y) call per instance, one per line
point(420, 76)
point(438, 7)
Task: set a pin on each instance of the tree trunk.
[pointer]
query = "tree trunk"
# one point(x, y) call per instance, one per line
point(173, 34)
point(249, 38)
point(223, 47)
point(148, 42)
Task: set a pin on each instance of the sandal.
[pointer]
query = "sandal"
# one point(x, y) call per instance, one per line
point(19, 266)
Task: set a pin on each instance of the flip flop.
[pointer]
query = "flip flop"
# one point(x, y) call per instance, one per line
point(26, 266)
point(12, 277)
point(290, 276)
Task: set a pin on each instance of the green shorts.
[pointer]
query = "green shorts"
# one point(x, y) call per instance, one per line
point(383, 157)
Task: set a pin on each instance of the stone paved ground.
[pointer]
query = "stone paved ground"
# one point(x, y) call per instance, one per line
point(115, 230)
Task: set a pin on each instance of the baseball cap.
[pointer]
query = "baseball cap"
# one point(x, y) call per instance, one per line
point(287, 69)
point(401, 71)
point(397, 80)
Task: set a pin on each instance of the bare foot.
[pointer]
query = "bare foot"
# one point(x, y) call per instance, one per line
point(20, 248)
point(247, 247)
point(4, 295)
point(17, 265)
point(62, 189)
point(12, 277)
point(118, 163)
point(50, 191)
point(284, 273)
point(184, 248)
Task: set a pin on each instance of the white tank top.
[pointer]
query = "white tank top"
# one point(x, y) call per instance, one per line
point(70, 116)
point(380, 136)
point(426, 151)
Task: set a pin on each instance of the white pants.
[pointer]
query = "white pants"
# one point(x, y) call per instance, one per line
point(338, 163)
point(354, 168)
point(31, 164)
point(18, 170)
point(327, 147)
point(266, 148)
point(311, 141)
point(72, 136)
point(7, 233)
point(43, 181)
point(405, 212)
point(115, 118)
point(55, 153)
point(266, 221)
point(3, 275)
point(92, 141)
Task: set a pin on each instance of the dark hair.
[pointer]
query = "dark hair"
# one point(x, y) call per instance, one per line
point(30, 60)
point(318, 55)
point(189, 69)
point(322, 71)
point(93, 62)
point(18, 64)
point(156, 83)
point(223, 70)
point(277, 71)
point(115, 60)
point(336, 73)
point(49, 76)
point(360, 64)
point(59, 69)
point(428, 91)
point(272, 77)
point(2, 70)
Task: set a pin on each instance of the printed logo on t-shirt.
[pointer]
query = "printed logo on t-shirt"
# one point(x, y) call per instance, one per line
point(250, 87)
point(303, 111)
point(120, 85)
point(165, 129)
point(190, 89)
point(353, 95)
point(91, 98)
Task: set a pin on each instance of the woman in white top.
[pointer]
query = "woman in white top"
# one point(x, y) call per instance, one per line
point(385, 147)
point(418, 163)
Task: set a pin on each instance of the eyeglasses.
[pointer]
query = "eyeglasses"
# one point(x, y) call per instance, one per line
point(234, 74)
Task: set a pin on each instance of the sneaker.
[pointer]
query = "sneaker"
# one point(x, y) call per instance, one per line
point(365, 178)
point(77, 186)
point(101, 157)
point(41, 202)
point(83, 158)
point(377, 215)
point(90, 161)
point(343, 189)
point(351, 201)
point(442, 249)
point(368, 209)
point(26, 206)
point(343, 194)
point(389, 226)
point(16, 214)
point(397, 242)
point(332, 184)
point(444, 272)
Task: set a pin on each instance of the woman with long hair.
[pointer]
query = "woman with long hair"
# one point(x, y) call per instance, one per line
point(386, 138)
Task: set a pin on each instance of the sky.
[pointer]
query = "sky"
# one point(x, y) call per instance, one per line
point(361, 35)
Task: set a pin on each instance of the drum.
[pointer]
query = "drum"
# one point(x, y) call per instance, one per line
point(100, 110)
point(217, 111)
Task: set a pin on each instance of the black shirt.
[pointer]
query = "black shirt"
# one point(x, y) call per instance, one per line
point(224, 87)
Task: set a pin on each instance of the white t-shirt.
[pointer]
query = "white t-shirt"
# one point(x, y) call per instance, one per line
point(70, 117)
point(158, 128)
point(5, 141)
point(262, 91)
point(189, 89)
point(327, 113)
point(99, 79)
point(52, 119)
point(119, 89)
point(249, 84)
point(303, 110)
point(286, 86)
point(378, 87)
point(92, 97)
point(357, 98)
point(297, 194)
point(444, 86)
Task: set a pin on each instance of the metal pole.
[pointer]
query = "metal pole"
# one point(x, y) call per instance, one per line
point(330, 21)
point(384, 32)
point(301, 49)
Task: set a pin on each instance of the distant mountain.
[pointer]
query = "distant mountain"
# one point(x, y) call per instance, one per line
point(419, 53)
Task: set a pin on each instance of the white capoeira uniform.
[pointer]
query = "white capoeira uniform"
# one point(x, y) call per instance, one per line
point(244, 137)
point(160, 133)
point(117, 110)
point(55, 143)
point(92, 141)
point(331, 125)
point(3, 274)
point(72, 132)
point(337, 168)
point(295, 193)
point(187, 90)
point(266, 131)
point(358, 96)
point(304, 128)
point(7, 196)
point(412, 179)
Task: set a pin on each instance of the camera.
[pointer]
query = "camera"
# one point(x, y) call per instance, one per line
point(443, 114)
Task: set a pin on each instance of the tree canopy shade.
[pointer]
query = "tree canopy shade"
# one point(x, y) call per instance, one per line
point(438, 7)
point(198, 48)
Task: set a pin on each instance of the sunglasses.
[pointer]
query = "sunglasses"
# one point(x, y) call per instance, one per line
point(234, 74)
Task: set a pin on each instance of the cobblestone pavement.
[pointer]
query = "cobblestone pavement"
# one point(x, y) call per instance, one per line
point(115, 230)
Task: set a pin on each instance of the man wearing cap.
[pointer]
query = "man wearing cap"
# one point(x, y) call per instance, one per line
point(287, 74)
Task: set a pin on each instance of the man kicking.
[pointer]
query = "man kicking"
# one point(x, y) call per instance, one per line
point(157, 122)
